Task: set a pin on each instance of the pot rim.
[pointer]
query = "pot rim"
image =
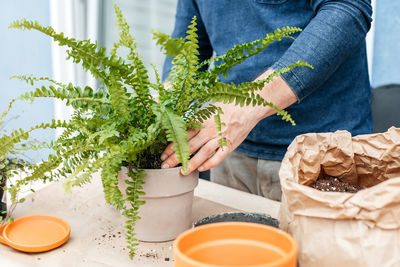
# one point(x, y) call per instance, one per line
point(160, 170)
point(245, 213)
point(292, 253)
point(162, 182)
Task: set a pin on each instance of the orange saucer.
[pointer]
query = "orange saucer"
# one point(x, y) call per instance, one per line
point(35, 233)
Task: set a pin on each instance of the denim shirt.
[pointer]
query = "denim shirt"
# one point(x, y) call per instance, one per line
point(333, 96)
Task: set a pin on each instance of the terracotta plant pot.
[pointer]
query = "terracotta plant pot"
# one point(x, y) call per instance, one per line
point(235, 244)
point(168, 208)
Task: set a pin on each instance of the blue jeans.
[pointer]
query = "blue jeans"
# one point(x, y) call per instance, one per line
point(256, 176)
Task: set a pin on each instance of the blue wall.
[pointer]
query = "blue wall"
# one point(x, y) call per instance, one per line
point(386, 59)
point(24, 52)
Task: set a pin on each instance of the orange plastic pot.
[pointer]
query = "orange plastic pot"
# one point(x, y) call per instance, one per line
point(235, 244)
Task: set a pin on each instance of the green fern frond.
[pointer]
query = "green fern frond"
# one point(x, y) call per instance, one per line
point(134, 190)
point(118, 96)
point(185, 65)
point(170, 46)
point(191, 53)
point(73, 95)
point(227, 94)
point(39, 173)
point(138, 78)
point(10, 104)
point(194, 125)
point(175, 128)
point(203, 114)
point(239, 53)
point(8, 142)
point(218, 126)
point(30, 79)
point(243, 94)
point(92, 59)
point(77, 169)
point(75, 179)
point(95, 60)
point(158, 86)
point(69, 154)
point(109, 177)
point(258, 85)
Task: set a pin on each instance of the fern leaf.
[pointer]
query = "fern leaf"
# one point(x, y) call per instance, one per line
point(134, 190)
point(175, 128)
point(109, 177)
point(138, 77)
point(10, 104)
point(203, 114)
point(81, 51)
point(158, 85)
point(30, 79)
point(239, 53)
point(218, 126)
point(170, 46)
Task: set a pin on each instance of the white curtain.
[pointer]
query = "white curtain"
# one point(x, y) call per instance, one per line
point(142, 17)
point(79, 19)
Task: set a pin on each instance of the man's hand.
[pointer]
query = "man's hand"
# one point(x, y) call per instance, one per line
point(238, 124)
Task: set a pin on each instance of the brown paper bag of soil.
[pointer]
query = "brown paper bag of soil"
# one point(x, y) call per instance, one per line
point(343, 229)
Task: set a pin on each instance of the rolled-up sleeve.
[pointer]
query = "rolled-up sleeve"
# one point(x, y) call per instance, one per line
point(185, 11)
point(337, 29)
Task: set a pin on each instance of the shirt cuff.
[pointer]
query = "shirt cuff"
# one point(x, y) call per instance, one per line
point(291, 79)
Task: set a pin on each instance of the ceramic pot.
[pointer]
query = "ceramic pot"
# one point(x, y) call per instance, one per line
point(235, 244)
point(168, 208)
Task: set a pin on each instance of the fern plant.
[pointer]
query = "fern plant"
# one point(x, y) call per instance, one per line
point(122, 124)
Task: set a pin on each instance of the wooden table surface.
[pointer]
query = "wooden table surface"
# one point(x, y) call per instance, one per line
point(97, 237)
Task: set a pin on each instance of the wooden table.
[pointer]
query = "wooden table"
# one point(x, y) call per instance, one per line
point(97, 237)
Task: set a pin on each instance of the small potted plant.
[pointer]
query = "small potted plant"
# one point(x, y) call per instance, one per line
point(7, 166)
point(120, 129)
point(12, 161)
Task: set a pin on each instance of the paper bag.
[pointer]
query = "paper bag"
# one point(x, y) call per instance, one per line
point(343, 229)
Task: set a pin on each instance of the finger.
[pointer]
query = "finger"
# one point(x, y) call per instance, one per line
point(168, 151)
point(215, 159)
point(194, 144)
point(192, 133)
point(170, 161)
point(202, 155)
